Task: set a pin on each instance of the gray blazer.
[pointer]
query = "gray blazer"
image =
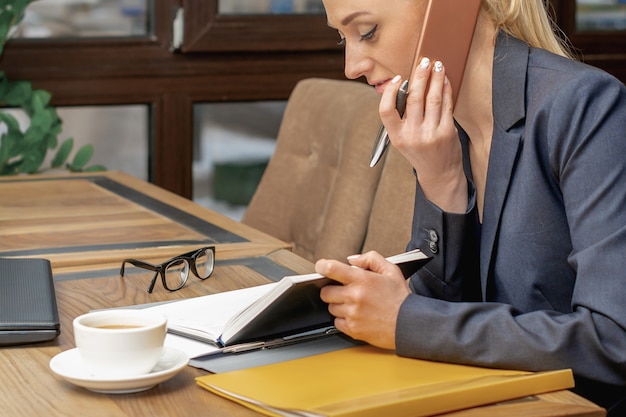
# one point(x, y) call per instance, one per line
point(549, 259)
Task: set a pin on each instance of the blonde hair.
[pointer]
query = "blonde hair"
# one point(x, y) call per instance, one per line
point(529, 21)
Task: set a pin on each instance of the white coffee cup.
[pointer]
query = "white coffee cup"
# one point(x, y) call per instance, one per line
point(120, 343)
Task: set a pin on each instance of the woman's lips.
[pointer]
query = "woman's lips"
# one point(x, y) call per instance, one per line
point(380, 86)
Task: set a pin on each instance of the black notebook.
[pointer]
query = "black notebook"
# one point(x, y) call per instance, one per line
point(28, 309)
point(292, 307)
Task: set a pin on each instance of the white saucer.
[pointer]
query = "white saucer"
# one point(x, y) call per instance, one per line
point(69, 365)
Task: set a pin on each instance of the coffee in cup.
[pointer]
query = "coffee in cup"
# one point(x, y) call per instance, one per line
point(120, 343)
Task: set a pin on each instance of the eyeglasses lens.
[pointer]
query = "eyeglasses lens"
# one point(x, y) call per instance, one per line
point(176, 274)
point(204, 263)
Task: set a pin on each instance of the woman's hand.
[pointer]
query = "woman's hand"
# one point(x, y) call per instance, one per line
point(366, 306)
point(426, 135)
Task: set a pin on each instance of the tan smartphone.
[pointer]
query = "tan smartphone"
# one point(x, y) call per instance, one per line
point(446, 36)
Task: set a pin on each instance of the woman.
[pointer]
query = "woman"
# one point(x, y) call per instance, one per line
point(521, 202)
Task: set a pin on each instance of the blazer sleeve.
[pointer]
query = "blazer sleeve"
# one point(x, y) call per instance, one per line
point(451, 239)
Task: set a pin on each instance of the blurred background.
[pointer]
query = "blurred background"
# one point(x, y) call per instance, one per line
point(232, 138)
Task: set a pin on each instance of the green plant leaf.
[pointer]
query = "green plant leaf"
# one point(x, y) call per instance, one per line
point(9, 120)
point(10, 168)
point(25, 152)
point(33, 138)
point(81, 158)
point(51, 136)
point(43, 98)
point(42, 119)
point(95, 168)
point(5, 150)
point(31, 161)
point(11, 16)
point(18, 93)
point(11, 138)
point(62, 153)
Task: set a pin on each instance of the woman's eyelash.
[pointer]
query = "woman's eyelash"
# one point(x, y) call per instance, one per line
point(370, 34)
point(364, 37)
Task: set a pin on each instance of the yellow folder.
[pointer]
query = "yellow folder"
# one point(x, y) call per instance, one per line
point(365, 381)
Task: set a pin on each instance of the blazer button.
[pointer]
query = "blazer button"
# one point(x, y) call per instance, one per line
point(434, 248)
point(432, 234)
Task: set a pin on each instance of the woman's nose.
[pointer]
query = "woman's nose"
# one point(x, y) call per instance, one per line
point(356, 64)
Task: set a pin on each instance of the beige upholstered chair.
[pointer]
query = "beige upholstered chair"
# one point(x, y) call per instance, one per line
point(389, 227)
point(318, 192)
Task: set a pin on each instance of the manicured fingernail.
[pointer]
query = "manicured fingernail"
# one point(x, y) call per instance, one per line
point(396, 79)
point(438, 66)
point(353, 256)
point(424, 63)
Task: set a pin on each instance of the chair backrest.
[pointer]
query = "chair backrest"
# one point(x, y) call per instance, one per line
point(318, 191)
point(389, 227)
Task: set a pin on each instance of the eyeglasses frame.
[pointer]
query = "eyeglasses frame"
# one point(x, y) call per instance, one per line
point(189, 258)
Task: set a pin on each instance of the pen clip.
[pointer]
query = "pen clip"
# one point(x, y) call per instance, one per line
point(279, 342)
point(382, 141)
point(244, 347)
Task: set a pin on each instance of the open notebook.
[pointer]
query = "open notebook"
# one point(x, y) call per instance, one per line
point(267, 314)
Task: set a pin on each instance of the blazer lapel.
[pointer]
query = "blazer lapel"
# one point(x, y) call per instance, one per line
point(508, 109)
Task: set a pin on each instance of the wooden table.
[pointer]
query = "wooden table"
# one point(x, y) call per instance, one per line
point(86, 260)
point(95, 218)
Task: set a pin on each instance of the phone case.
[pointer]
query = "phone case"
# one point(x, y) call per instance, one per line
point(447, 35)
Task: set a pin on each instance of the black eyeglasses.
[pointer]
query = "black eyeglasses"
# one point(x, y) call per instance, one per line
point(175, 271)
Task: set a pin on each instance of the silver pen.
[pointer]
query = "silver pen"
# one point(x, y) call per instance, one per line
point(382, 139)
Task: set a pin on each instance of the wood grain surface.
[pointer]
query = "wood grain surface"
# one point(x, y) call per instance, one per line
point(85, 219)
